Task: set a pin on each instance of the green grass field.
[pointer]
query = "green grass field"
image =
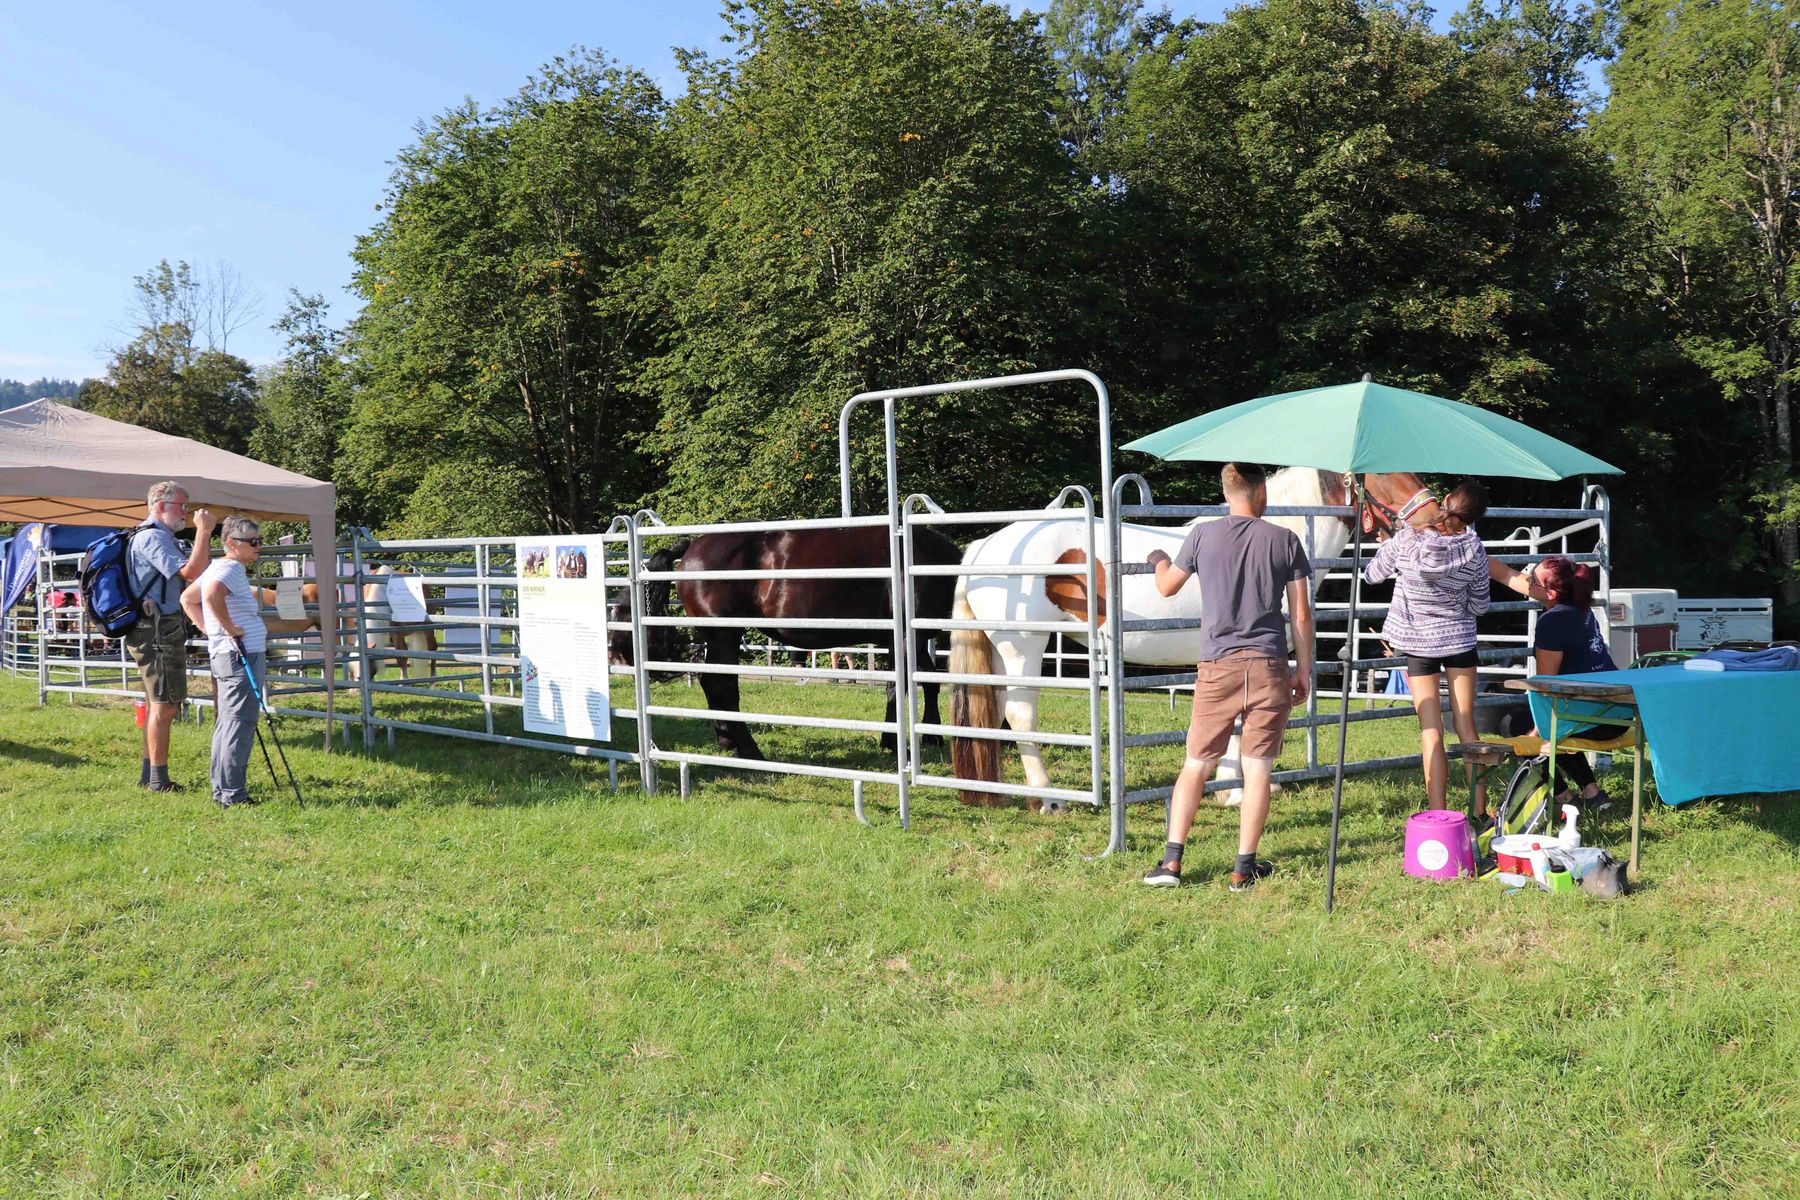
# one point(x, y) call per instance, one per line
point(471, 970)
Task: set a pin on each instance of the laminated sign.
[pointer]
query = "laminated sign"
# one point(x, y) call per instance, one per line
point(562, 637)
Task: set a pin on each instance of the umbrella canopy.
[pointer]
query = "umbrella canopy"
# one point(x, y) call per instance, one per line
point(1368, 426)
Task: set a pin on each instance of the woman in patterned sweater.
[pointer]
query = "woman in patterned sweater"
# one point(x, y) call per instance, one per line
point(1441, 584)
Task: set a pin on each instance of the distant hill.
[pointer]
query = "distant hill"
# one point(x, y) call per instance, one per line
point(14, 392)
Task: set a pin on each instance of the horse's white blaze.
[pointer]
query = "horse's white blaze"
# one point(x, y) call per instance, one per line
point(999, 598)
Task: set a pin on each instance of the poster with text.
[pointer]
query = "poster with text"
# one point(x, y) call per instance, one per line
point(562, 637)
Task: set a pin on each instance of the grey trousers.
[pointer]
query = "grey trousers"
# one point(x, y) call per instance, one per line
point(234, 728)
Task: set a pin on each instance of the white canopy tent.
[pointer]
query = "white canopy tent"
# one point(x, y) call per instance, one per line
point(63, 465)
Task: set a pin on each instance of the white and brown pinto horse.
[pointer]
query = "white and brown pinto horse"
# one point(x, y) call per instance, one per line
point(1002, 598)
point(384, 632)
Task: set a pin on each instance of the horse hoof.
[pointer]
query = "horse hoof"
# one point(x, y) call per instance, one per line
point(1231, 799)
point(1054, 808)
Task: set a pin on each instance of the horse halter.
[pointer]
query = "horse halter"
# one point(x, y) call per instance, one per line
point(1394, 518)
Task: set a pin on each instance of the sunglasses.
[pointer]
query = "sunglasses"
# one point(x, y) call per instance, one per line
point(255, 541)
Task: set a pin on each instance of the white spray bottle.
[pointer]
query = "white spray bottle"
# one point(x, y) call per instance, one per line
point(1570, 837)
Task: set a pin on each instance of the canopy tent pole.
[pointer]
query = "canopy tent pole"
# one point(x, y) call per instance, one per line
point(1337, 781)
point(322, 528)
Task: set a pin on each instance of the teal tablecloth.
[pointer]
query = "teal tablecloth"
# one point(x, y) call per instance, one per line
point(1711, 733)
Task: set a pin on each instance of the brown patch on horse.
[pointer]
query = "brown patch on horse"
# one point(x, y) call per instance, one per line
point(1069, 592)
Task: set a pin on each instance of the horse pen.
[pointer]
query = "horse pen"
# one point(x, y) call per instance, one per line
point(466, 966)
point(470, 587)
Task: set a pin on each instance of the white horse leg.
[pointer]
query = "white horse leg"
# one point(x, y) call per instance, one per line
point(1021, 717)
point(1022, 655)
point(1230, 772)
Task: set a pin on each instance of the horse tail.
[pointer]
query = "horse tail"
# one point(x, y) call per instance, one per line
point(656, 592)
point(976, 706)
point(662, 639)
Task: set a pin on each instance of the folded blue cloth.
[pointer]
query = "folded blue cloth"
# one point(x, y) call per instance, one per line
point(1775, 658)
point(1710, 733)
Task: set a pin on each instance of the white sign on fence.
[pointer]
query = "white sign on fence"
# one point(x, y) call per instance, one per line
point(288, 604)
point(562, 637)
point(406, 599)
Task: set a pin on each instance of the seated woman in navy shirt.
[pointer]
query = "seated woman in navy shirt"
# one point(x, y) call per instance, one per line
point(1569, 642)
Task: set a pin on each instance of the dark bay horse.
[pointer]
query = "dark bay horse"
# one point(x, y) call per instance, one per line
point(793, 599)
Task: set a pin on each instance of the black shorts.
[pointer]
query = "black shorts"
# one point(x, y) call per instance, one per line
point(1416, 665)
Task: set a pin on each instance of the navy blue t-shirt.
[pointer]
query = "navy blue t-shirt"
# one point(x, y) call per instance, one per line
point(1576, 633)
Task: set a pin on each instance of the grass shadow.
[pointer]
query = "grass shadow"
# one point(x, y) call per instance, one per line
point(38, 754)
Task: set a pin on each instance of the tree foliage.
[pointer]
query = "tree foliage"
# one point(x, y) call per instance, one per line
point(14, 392)
point(872, 197)
point(168, 379)
point(501, 330)
point(1705, 123)
point(306, 396)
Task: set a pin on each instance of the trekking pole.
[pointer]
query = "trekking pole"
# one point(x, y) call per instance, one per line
point(256, 691)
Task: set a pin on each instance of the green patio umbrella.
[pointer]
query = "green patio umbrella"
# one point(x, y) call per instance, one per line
point(1363, 427)
point(1368, 426)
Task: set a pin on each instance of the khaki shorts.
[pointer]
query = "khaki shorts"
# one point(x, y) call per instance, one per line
point(1258, 689)
point(158, 645)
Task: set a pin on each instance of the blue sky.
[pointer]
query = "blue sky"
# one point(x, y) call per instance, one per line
point(256, 135)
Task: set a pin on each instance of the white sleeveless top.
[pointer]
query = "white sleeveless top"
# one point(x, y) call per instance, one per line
point(240, 602)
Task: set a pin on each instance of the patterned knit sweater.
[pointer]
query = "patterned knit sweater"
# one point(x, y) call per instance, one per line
point(1440, 587)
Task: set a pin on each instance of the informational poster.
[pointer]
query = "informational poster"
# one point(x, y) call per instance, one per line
point(288, 603)
point(406, 599)
point(562, 637)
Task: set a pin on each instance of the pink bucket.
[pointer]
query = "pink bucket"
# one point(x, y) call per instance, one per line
point(1439, 845)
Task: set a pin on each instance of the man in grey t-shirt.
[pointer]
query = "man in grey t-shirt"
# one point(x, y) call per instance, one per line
point(158, 642)
point(1244, 566)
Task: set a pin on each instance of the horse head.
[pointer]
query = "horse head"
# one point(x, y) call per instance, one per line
point(1396, 498)
point(660, 638)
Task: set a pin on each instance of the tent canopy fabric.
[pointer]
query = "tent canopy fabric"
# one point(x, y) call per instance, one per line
point(61, 464)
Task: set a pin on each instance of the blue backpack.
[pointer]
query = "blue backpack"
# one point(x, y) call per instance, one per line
point(107, 593)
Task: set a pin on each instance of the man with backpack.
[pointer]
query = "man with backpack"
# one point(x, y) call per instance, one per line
point(158, 572)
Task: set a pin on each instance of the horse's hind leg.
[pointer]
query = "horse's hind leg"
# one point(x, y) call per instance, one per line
point(1231, 771)
point(928, 663)
point(1021, 717)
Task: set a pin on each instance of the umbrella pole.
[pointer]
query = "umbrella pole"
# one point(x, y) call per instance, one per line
point(1337, 782)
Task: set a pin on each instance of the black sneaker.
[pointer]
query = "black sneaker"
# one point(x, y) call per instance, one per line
point(1163, 875)
point(167, 786)
point(1243, 883)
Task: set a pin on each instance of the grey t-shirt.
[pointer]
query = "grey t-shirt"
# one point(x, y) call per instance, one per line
point(1243, 565)
point(155, 560)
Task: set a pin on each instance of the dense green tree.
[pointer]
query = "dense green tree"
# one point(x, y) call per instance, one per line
point(501, 327)
point(1094, 43)
point(1341, 189)
point(306, 397)
point(14, 392)
point(1703, 120)
point(1556, 41)
point(874, 197)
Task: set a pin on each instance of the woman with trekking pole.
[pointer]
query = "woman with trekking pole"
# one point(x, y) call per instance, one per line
point(228, 607)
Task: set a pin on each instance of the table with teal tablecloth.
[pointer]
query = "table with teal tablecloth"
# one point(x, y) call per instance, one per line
point(1710, 733)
